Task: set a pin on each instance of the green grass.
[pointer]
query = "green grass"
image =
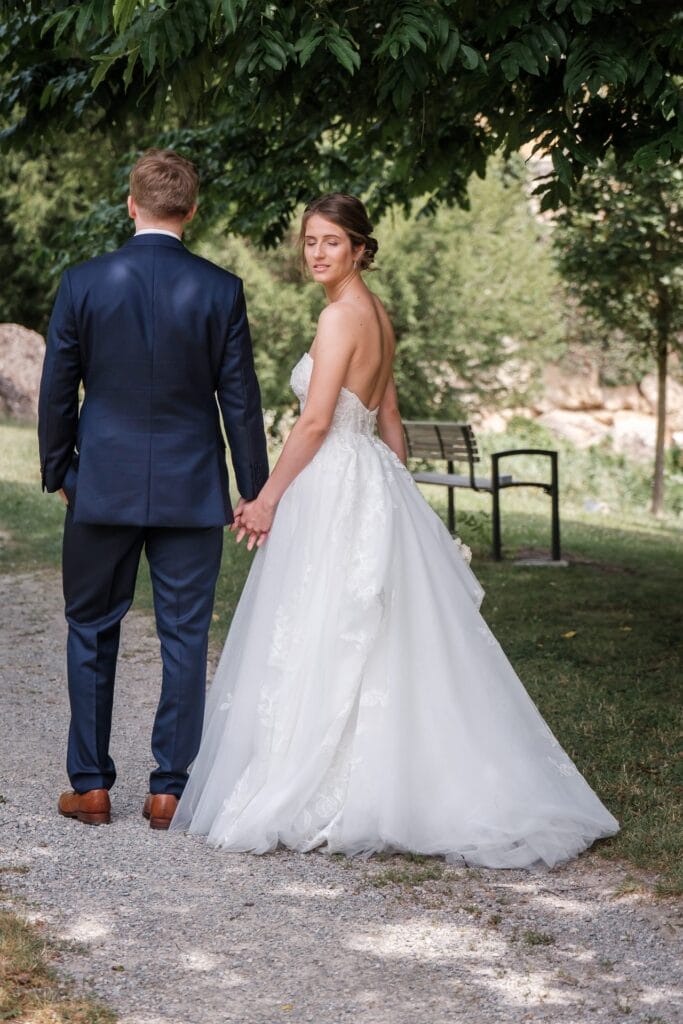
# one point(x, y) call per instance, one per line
point(531, 938)
point(597, 644)
point(30, 991)
point(408, 874)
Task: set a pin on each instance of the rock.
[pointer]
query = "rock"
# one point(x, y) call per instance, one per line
point(21, 362)
point(491, 422)
point(580, 428)
point(571, 391)
point(633, 434)
point(521, 412)
point(540, 404)
point(603, 416)
point(625, 396)
point(674, 399)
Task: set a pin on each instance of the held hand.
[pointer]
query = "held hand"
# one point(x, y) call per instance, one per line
point(253, 518)
point(253, 538)
point(62, 495)
point(237, 515)
point(256, 516)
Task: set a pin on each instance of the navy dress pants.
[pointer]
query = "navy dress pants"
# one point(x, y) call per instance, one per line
point(100, 565)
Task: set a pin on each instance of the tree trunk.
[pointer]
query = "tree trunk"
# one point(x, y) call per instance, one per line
point(662, 358)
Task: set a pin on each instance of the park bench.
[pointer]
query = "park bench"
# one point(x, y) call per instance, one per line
point(455, 443)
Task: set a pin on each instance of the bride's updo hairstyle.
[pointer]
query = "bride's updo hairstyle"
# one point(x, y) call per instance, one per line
point(349, 214)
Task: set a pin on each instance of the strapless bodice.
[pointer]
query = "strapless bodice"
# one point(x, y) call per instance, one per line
point(350, 415)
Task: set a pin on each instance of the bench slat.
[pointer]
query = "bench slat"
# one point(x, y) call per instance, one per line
point(454, 480)
point(451, 441)
point(455, 442)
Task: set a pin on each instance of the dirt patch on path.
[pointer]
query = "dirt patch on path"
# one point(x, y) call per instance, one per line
point(169, 931)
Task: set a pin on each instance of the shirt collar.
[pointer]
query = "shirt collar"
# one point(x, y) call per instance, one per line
point(157, 231)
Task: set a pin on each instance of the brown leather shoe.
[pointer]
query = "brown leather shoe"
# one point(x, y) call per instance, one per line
point(92, 808)
point(159, 808)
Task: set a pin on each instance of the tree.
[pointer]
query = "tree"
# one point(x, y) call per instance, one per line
point(470, 295)
point(396, 100)
point(620, 247)
point(45, 212)
point(474, 298)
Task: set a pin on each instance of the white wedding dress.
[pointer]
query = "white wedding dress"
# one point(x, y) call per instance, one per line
point(361, 701)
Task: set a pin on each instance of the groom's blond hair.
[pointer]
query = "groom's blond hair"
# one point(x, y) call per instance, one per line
point(164, 183)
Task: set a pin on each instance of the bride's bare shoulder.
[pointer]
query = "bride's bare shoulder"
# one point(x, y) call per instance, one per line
point(341, 314)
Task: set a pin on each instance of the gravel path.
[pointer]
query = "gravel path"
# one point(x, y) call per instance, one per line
point(169, 931)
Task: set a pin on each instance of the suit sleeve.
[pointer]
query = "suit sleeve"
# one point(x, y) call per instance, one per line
point(58, 399)
point(239, 398)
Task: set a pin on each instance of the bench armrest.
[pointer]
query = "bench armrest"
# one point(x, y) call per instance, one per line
point(499, 481)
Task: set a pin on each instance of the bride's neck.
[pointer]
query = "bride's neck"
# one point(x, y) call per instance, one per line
point(338, 289)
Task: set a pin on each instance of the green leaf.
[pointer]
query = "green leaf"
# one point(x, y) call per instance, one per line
point(416, 38)
point(174, 42)
point(105, 64)
point(272, 61)
point(582, 11)
point(556, 30)
point(510, 68)
point(186, 27)
point(102, 15)
point(403, 93)
point(525, 58)
point(639, 66)
point(449, 52)
point(345, 54)
point(562, 165)
point(45, 96)
point(123, 12)
point(148, 49)
point(64, 23)
point(83, 21)
point(442, 29)
point(469, 57)
point(230, 14)
point(307, 45)
point(652, 78)
point(276, 51)
point(550, 43)
point(49, 22)
point(130, 66)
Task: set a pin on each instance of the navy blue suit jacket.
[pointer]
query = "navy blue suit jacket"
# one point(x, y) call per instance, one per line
point(159, 338)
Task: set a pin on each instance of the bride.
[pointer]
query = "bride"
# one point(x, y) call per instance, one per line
point(361, 702)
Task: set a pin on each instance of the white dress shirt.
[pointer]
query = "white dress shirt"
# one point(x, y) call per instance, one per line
point(157, 231)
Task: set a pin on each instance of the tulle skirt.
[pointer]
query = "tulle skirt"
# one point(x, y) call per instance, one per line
point(361, 702)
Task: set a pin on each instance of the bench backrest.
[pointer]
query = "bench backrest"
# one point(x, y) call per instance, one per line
point(427, 439)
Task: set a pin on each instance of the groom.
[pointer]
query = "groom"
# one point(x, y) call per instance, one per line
point(159, 339)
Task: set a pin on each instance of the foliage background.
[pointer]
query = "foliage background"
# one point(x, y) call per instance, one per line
point(399, 99)
point(452, 289)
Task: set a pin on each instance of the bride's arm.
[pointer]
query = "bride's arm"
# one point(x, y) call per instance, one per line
point(389, 422)
point(334, 347)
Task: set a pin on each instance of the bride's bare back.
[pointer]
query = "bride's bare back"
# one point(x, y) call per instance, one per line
point(365, 324)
